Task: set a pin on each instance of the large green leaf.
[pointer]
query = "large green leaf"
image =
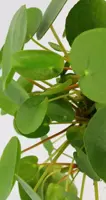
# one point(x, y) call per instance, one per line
point(33, 195)
point(6, 103)
point(75, 136)
point(28, 86)
point(8, 167)
point(31, 114)
point(34, 18)
point(38, 64)
point(89, 61)
point(58, 88)
point(85, 15)
point(14, 42)
point(16, 93)
point(84, 165)
point(50, 15)
point(57, 192)
point(40, 132)
point(95, 142)
point(60, 111)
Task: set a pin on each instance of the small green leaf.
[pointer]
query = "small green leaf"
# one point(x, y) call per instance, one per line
point(48, 145)
point(75, 136)
point(85, 15)
point(38, 64)
point(31, 114)
point(60, 111)
point(14, 42)
point(95, 142)
point(55, 191)
point(50, 15)
point(54, 46)
point(8, 167)
point(87, 58)
point(16, 93)
point(6, 103)
point(33, 195)
point(58, 88)
point(28, 86)
point(34, 18)
point(40, 132)
point(84, 165)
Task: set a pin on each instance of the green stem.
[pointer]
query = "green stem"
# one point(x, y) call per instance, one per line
point(60, 97)
point(40, 45)
point(82, 186)
point(69, 171)
point(47, 83)
point(74, 177)
point(60, 150)
point(96, 190)
point(37, 84)
point(60, 43)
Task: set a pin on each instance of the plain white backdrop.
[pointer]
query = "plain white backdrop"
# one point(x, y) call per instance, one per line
point(7, 10)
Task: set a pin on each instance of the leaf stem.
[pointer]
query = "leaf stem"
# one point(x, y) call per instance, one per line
point(82, 186)
point(37, 84)
point(45, 140)
point(61, 164)
point(96, 190)
point(47, 83)
point(69, 172)
point(59, 97)
point(60, 43)
point(40, 45)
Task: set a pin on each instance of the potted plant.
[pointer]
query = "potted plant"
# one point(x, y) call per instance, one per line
point(77, 99)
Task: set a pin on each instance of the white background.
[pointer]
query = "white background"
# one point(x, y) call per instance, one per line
point(7, 9)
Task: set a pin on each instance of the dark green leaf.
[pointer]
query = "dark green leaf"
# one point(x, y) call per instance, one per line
point(8, 167)
point(60, 111)
point(50, 15)
point(33, 195)
point(6, 103)
point(87, 58)
point(31, 114)
point(75, 136)
point(40, 132)
point(34, 18)
point(28, 86)
point(84, 165)
point(14, 42)
point(95, 142)
point(38, 64)
point(58, 88)
point(48, 145)
point(55, 191)
point(54, 46)
point(85, 15)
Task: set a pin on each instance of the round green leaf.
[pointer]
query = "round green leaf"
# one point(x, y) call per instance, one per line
point(89, 61)
point(14, 42)
point(28, 86)
point(75, 136)
point(9, 163)
point(60, 111)
point(40, 132)
point(49, 16)
point(84, 165)
point(31, 114)
point(38, 64)
point(95, 142)
point(34, 18)
point(85, 15)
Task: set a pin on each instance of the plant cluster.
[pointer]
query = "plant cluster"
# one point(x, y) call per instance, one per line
point(77, 99)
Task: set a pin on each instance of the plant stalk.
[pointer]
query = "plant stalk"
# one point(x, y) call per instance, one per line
point(96, 190)
point(82, 186)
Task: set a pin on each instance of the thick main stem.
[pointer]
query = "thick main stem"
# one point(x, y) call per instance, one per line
point(96, 190)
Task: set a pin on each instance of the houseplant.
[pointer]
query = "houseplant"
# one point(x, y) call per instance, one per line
point(77, 99)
